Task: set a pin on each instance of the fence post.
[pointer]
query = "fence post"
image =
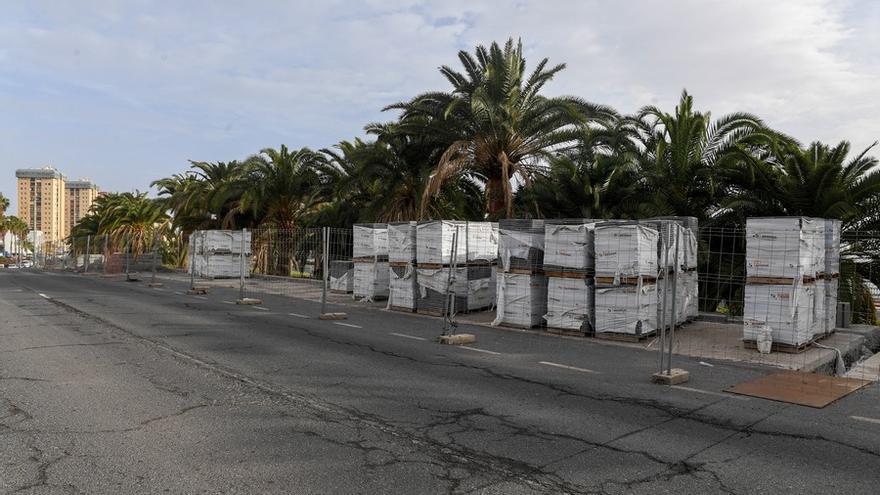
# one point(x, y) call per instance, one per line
point(106, 251)
point(153, 268)
point(672, 318)
point(192, 262)
point(88, 254)
point(241, 266)
point(449, 324)
point(662, 342)
point(325, 264)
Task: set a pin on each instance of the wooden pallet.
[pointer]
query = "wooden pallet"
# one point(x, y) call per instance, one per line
point(370, 259)
point(401, 264)
point(609, 281)
point(566, 274)
point(402, 309)
point(625, 337)
point(521, 271)
point(337, 291)
point(520, 327)
point(777, 280)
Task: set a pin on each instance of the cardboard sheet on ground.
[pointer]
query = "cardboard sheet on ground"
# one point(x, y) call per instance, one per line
point(795, 387)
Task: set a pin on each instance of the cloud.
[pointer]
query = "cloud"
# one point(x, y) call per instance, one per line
point(125, 92)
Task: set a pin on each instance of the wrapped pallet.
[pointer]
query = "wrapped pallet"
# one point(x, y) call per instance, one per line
point(521, 245)
point(625, 249)
point(569, 246)
point(403, 289)
point(370, 242)
point(219, 265)
point(832, 248)
point(626, 309)
point(786, 309)
point(473, 288)
point(785, 247)
point(371, 280)
point(522, 299)
point(691, 294)
point(477, 242)
point(831, 286)
point(570, 304)
point(218, 253)
point(341, 277)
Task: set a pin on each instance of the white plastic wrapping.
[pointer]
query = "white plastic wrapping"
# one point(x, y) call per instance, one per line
point(343, 283)
point(626, 309)
point(371, 281)
point(219, 265)
point(625, 249)
point(219, 242)
point(569, 246)
point(785, 247)
point(477, 241)
point(403, 290)
point(518, 244)
point(370, 241)
point(479, 293)
point(570, 303)
point(832, 248)
point(402, 242)
point(786, 309)
point(830, 313)
point(522, 299)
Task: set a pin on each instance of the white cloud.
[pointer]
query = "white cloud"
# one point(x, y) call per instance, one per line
point(127, 91)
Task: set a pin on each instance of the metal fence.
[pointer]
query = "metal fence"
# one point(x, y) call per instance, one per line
point(653, 284)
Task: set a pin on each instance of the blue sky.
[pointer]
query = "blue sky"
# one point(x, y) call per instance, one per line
point(127, 92)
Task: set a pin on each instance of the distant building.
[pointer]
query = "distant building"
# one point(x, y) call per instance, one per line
point(80, 194)
point(49, 203)
point(41, 201)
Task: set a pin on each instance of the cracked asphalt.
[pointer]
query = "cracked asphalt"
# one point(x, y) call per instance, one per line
point(109, 386)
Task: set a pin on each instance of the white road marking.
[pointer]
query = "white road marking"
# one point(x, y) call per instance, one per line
point(260, 308)
point(347, 325)
point(480, 350)
point(44, 296)
point(567, 367)
point(709, 392)
point(298, 315)
point(867, 420)
point(201, 297)
point(179, 293)
point(406, 336)
point(229, 302)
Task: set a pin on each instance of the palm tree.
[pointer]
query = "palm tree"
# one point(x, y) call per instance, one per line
point(204, 197)
point(679, 163)
point(4, 205)
point(494, 124)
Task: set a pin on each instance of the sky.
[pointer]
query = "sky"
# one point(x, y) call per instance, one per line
point(126, 92)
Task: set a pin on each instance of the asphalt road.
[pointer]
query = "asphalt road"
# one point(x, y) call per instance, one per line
point(109, 386)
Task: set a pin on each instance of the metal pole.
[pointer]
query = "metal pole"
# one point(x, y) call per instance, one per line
point(241, 256)
point(127, 250)
point(326, 268)
point(662, 344)
point(449, 313)
point(88, 254)
point(155, 255)
point(192, 261)
point(672, 325)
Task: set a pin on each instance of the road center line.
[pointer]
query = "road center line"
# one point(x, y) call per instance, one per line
point(709, 392)
point(867, 420)
point(480, 350)
point(298, 315)
point(406, 336)
point(567, 367)
point(44, 296)
point(347, 325)
point(179, 293)
point(228, 302)
point(201, 297)
point(260, 308)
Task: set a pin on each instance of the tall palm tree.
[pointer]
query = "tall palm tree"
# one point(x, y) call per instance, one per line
point(4, 205)
point(679, 163)
point(204, 197)
point(495, 124)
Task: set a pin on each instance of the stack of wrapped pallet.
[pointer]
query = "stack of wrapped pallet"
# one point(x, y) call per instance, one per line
point(783, 257)
point(218, 253)
point(521, 284)
point(829, 282)
point(626, 279)
point(569, 264)
point(341, 276)
point(468, 272)
point(370, 257)
point(403, 289)
point(678, 249)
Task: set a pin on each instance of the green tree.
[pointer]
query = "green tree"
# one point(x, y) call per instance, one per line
point(495, 124)
point(4, 205)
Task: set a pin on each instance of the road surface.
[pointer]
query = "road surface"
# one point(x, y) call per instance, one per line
point(109, 386)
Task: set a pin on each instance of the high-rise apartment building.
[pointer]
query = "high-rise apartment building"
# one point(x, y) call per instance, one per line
point(41, 195)
point(79, 196)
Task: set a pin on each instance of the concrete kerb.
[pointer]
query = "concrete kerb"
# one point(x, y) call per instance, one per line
point(676, 376)
point(457, 339)
point(249, 301)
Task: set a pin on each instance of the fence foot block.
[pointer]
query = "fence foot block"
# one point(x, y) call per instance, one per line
point(675, 377)
point(457, 339)
point(154, 284)
point(249, 301)
point(197, 291)
point(333, 316)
